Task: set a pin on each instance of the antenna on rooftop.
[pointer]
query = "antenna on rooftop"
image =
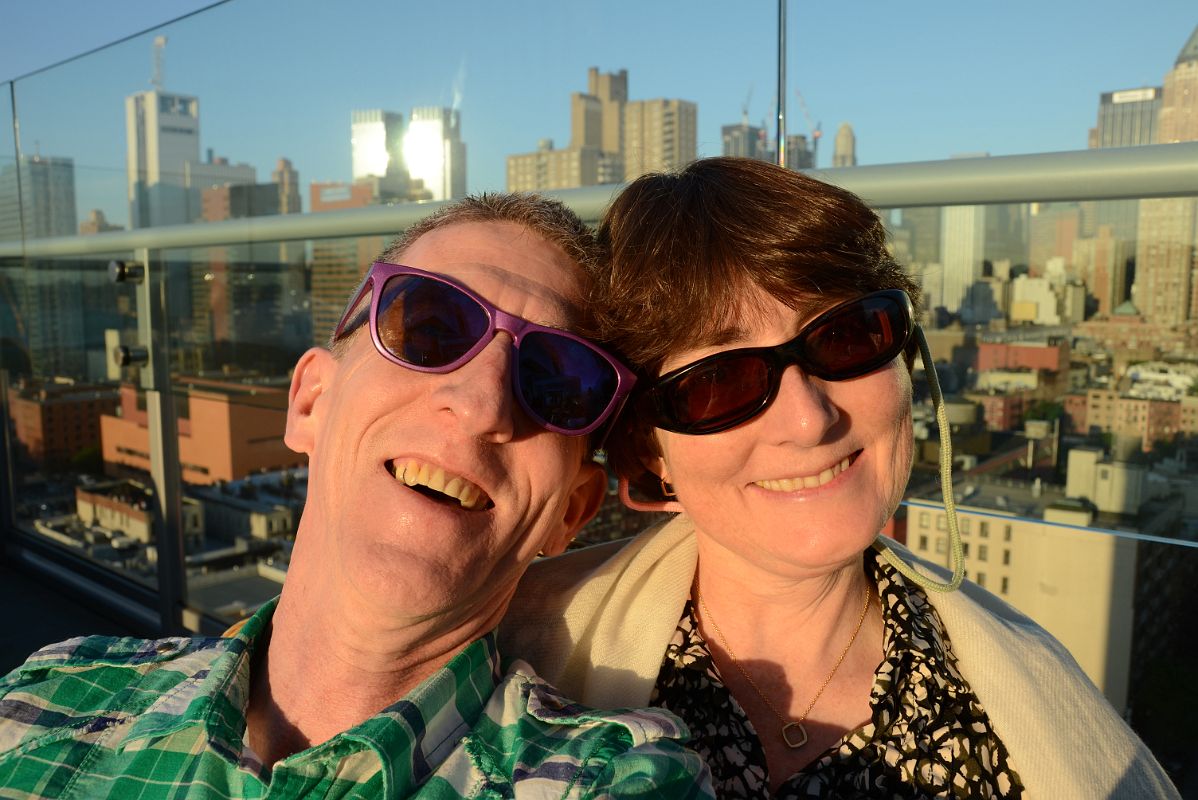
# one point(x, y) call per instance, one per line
point(744, 108)
point(159, 67)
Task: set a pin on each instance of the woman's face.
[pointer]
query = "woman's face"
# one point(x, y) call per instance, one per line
point(803, 487)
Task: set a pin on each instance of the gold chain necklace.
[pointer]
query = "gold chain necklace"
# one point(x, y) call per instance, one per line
point(801, 732)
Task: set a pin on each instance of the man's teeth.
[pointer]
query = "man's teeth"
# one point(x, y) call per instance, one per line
point(415, 473)
point(809, 482)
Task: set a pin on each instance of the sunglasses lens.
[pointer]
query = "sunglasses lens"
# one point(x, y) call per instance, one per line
point(565, 383)
point(858, 339)
point(718, 394)
point(428, 323)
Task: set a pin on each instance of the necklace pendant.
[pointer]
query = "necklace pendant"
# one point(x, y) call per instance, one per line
point(795, 738)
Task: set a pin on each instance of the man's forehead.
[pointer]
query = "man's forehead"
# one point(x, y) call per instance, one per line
point(506, 263)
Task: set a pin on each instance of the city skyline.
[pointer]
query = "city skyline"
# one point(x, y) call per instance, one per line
point(508, 104)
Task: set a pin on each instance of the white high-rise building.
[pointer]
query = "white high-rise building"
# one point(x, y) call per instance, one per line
point(377, 143)
point(162, 133)
point(434, 152)
point(962, 249)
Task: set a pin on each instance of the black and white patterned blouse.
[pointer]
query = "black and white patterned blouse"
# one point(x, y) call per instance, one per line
point(928, 735)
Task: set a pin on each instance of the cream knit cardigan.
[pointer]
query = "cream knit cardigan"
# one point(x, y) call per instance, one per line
point(596, 622)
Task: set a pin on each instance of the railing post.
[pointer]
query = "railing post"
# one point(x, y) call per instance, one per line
point(782, 83)
point(153, 333)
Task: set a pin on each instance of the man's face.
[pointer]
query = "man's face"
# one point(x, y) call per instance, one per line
point(424, 543)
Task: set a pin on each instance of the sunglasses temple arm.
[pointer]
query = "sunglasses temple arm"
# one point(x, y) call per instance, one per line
point(946, 488)
point(346, 318)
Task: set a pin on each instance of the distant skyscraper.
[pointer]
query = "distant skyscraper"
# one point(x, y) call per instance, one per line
point(1167, 247)
point(435, 153)
point(162, 132)
point(47, 194)
point(611, 90)
point(659, 135)
point(962, 250)
point(596, 151)
point(799, 154)
point(1127, 118)
point(745, 140)
point(845, 152)
point(376, 143)
point(287, 179)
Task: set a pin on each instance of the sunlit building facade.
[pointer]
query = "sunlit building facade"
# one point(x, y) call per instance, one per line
point(435, 153)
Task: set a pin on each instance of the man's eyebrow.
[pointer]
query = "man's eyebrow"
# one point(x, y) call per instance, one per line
point(572, 308)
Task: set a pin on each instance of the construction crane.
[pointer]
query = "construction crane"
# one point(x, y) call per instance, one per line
point(744, 107)
point(159, 67)
point(816, 132)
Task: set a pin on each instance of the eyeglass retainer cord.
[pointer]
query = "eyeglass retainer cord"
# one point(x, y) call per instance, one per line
point(946, 489)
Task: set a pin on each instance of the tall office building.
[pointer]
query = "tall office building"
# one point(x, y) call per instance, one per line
point(1165, 290)
point(611, 90)
point(845, 152)
point(45, 205)
point(595, 154)
point(659, 135)
point(799, 153)
point(962, 251)
point(434, 152)
point(162, 132)
point(745, 140)
point(1127, 118)
point(376, 143)
point(287, 179)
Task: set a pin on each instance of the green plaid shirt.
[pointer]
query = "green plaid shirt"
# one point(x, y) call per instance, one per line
point(131, 718)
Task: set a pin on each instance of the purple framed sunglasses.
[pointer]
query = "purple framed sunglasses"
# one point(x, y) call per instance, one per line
point(429, 323)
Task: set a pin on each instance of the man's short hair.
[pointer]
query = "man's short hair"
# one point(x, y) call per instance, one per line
point(550, 219)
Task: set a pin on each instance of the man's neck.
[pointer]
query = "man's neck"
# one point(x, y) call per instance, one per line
point(318, 671)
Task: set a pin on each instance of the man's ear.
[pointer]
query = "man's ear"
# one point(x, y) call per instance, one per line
point(308, 383)
point(586, 495)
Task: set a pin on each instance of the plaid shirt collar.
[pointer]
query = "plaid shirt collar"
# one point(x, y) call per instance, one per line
point(410, 737)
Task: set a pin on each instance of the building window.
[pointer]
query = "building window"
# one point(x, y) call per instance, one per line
point(1005, 583)
point(984, 529)
point(965, 549)
point(925, 519)
point(965, 525)
point(1006, 533)
point(980, 580)
point(941, 545)
point(1006, 558)
point(982, 552)
point(923, 542)
point(941, 525)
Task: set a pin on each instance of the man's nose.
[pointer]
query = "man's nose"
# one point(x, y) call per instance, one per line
point(478, 395)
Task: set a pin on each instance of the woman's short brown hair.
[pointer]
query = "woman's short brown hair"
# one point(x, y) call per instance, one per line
point(684, 252)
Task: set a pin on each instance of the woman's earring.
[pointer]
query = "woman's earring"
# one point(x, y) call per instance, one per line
point(667, 489)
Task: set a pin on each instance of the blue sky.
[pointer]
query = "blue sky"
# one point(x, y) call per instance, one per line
point(918, 81)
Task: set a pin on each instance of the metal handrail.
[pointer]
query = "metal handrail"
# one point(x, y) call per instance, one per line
point(1168, 170)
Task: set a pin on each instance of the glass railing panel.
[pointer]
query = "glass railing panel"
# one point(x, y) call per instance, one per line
point(65, 393)
point(10, 211)
point(1117, 599)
